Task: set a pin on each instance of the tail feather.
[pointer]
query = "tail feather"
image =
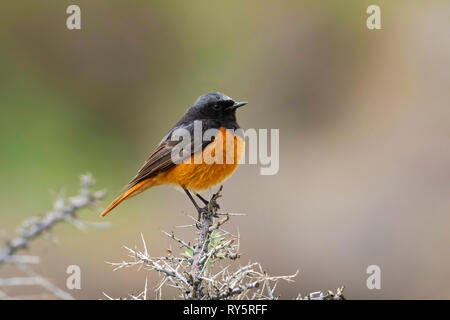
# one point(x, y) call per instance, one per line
point(135, 190)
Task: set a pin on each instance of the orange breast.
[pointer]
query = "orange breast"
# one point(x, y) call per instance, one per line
point(210, 167)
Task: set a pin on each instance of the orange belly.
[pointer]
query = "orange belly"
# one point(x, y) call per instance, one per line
point(205, 169)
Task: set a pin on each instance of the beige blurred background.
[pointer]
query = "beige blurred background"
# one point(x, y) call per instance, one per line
point(364, 121)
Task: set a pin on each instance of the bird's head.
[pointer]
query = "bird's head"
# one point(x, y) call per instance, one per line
point(217, 105)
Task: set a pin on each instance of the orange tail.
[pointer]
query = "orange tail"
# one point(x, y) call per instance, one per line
point(141, 186)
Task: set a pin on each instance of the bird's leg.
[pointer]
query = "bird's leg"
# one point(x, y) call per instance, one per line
point(200, 211)
point(206, 202)
point(212, 203)
point(202, 199)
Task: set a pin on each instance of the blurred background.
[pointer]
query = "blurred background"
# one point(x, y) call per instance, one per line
point(364, 121)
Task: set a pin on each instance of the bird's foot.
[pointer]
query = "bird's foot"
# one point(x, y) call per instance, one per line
point(211, 206)
point(212, 203)
point(214, 206)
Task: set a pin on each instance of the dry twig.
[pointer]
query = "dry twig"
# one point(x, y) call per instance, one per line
point(63, 211)
point(200, 272)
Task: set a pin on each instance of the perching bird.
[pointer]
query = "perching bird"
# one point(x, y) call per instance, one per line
point(206, 163)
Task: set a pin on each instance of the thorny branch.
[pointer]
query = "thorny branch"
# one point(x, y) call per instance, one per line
point(63, 211)
point(200, 271)
point(201, 249)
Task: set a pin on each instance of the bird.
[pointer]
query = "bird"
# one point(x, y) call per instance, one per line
point(204, 163)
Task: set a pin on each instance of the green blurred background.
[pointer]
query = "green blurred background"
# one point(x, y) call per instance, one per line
point(364, 121)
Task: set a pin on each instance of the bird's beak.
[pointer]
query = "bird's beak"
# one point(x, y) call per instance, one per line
point(238, 104)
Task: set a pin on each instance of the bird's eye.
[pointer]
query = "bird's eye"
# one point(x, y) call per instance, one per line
point(224, 104)
point(228, 103)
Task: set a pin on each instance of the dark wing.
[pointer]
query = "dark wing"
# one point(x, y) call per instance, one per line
point(161, 159)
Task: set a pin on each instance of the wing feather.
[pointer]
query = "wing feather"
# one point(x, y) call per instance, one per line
point(161, 158)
